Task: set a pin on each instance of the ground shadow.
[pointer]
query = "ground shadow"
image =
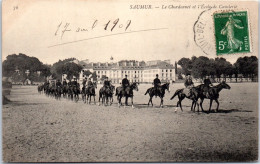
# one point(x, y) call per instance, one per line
point(227, 111)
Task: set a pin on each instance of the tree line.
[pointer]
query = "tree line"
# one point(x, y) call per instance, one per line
point(202, 66)
point(21, 67)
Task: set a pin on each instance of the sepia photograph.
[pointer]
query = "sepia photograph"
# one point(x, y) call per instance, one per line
point(130, 81)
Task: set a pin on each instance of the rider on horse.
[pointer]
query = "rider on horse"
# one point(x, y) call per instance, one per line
point(125, 83)
point(64, 82)
point(74, 83)
point(188, 85)
point(69, 83)
point(207, 85)
point(157, 84)
point(89, 83)
point(84, 83)
point(107, 83)
point(58, 83)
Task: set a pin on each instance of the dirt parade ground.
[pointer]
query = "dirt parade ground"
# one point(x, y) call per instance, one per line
point(37, 128)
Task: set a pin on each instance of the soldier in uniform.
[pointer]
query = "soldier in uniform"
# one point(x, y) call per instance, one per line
point(188, 85)
point(107, 83)
point(207, 85)
point(64, 82)
point(84, 83)
point(69, 83)
point(74, 83)
point(89, 83)
point(58, 83)
point(157, 84)
point(125, 82)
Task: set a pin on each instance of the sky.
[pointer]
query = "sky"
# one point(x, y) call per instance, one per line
point(35, 29)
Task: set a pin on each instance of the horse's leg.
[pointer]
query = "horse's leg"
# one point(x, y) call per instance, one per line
point(180, 100)
point(111, 100)
point(201, 101)
point(132, 100)
point(210, 104)
point(150, 100)
point(126, 100)
point(197, 105)
point(94, 99)
point(192, 105)
point(119, 100)
point(217, 104)
point(161, 105)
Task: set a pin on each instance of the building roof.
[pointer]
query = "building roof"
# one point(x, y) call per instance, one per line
point(127, 65)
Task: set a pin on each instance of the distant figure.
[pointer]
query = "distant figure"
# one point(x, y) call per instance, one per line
point(188, 85)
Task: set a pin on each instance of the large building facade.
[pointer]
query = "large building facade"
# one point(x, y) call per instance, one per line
point(141, 72)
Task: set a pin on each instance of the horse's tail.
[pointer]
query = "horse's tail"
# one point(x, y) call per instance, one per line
point(176, 93)
point(147, 91)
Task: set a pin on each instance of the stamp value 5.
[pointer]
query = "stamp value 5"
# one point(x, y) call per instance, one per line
point(232, 32)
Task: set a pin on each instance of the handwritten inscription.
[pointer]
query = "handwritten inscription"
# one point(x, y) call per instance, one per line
point(110, 25)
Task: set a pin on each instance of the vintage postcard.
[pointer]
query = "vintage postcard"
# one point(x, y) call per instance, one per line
point(129, 81)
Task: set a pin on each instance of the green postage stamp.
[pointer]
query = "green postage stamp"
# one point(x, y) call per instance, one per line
point(232, 32)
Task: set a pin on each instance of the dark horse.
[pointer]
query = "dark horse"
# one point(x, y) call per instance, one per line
point(74, 92)
point(160, 92)
point(194, 96)
point(106, 95)
point(212, 94)
point(90, 92)
point(40, 88)
point(128, 92)
point(58, 92)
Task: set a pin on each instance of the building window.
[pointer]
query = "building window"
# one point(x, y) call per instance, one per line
point(162, 70)
point(170, 70)
point(166, 70)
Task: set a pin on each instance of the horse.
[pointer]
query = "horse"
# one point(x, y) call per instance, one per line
point(152, 92)
point(65, 89)
point(90, 91)
point(58, 92)
point(194, 96)
point(212, 94)
point(105, 93)
point(75, 93)
point(40, 88)
point(128, 92)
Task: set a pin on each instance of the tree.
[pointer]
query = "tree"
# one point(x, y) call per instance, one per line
point(22, 63)
point(223, 67)
point(248, 66)
point(201, 67)
point(87, 73)
point(186, 65)
point(66, 66)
